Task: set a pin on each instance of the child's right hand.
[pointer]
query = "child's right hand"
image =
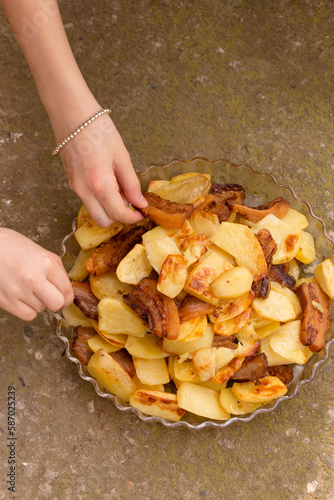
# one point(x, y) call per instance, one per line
point(32, 278)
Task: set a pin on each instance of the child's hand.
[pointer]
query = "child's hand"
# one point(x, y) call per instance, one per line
point(100, 171)
point(32, 278)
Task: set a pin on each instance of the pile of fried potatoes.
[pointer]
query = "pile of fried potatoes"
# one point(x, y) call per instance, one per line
point(218, 263)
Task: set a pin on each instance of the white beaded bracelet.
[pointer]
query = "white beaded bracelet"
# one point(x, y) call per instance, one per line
point(76, 132)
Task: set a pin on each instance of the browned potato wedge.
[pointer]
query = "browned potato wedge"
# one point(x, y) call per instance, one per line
point(156, 403)
point(324, 274)
point(306, 250)
point(232, 283)
point(179, 347)
point(183, 191)
point(108, 285)
point(74, 316)
point(97, 342)
point(173, 275)
point(78, 272)
point(111, 375)
point(83, 216)
point(265, 390)
point(145, 347)
point(227, 308)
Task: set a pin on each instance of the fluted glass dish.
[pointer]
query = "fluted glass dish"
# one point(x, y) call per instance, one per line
point(260, 188)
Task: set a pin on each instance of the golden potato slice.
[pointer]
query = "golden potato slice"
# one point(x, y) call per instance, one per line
point(286, 237)
point(232, 325)
point(232, 283)
point(295, 219)
point(158, 233)
point(211, 385)
point(151, 371)
point(145, 347)
point(198, 331)
point(267, 329)
point(185, 371)
point(232, 405)
point(276, 306)
point(182, 235)
point(265, 390)
point(116, 317)
point(324, 274)
point(157, 184)
point(134, 266)
point(83, 216)
point(158, 387)
point(184, 190)
point(187, 326)
point(204, 363)
point(157, 252)
point(173, 275)
point(286, 342)
point(273, 358)
point(105, 369)
point(223, 356)
point(115, 339)
point(74, 316)
point(158, 404)
point(277, 287)
point(227, 308)
point(108, 285)
point(180, 347)
point(97, 342)
point(201, 401)
point(212, 264)
point(204, 222)
point(248, 341)
point(306, 250)
point(242, 244)
point(194, 248)
point(294, 269)
point(79, 272)
point(90, 235)
point(182, 177)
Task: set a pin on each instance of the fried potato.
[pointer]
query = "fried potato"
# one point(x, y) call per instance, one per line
point(295, 219)
point(108, 285)
point(204, 363)
point(276, 306)
point(112, 338)
point(228, 308)
point(306, 250)
point(97, 342)
point(116, 317)
point(263, 391)
point(184, 190)
point(212, 264)
point(324, 274)
point(239, 241)
point(232, 405)
point(273, 358)
point(74, 316)
point(145, 347)
point(232, 325)
point(158, 387)
point(232, 283)
point(173, 275)
point(90, 235)
point(197, 332)
point(185, 371)
point(134, 266)
point(78, 272)
point(83, 215)
point(156, 403)
point(179, 347)
point(201, 401)
point(204, 222)
point(267, 329)
point(157, 252)
point(151, 371)
point(286, 342)
point(223, 356)
point(284, 290)
point(286, 237)
point(106, 370)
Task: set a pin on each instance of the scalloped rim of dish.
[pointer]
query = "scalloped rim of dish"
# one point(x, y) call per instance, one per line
point(184, 423)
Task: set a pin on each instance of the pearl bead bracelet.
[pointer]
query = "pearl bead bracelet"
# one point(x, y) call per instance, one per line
point(79, 129)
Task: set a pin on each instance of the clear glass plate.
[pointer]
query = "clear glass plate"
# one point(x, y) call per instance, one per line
point(260, 188)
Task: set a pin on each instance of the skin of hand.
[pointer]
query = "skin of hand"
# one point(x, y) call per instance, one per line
point(32, 278)
point(97, 164)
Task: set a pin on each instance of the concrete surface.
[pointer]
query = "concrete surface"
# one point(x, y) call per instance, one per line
point(251, 81)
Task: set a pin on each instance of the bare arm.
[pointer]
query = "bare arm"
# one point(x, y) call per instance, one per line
point(97, 164)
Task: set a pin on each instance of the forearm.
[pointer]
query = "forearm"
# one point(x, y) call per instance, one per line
point(39, 30)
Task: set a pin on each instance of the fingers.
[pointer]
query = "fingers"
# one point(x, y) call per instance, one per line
point(130, 185)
